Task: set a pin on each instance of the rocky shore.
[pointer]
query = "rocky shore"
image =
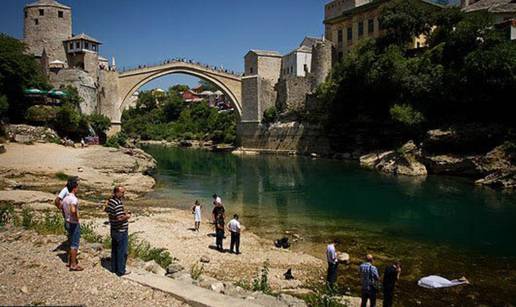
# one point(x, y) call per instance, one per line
point(439, 155)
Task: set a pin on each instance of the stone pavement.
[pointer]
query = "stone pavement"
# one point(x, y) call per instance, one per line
point(187, 292)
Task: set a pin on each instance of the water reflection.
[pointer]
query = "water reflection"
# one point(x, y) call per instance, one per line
point(321, 197)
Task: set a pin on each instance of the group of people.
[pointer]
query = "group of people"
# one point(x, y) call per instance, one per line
point(369, 277)
point(183, 60)
point(218, 219)
point(68, 203)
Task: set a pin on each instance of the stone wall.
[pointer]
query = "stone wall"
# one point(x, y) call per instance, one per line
point(292, 93)
point(49, 32)
point(85, 84)
point(88, 61)
point(109, 95)
point(290, 137)
point(258, 94)
point(269, 68)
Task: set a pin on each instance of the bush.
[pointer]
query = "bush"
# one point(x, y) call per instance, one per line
point(261, 282)
point(143, 250)
point(196, 271)
point(100, 123)
point(6, 213)
point(41, 115)
point(4, 105)
point(52, 223)
point(117, 140)
point(270, 115)
point(406, 115)
point(88, 233)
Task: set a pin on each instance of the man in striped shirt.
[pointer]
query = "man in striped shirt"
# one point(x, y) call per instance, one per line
point(119, 221)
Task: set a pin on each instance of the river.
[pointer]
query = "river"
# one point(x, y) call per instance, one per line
point(434, 225)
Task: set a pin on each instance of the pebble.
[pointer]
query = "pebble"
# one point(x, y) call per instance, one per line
point(24, 290)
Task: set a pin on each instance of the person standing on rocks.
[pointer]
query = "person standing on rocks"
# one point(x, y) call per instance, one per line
point(331, 256)
point(196, 211)
point(71, 211)
point(119, 222)
point(369, 278)
point(234, 229)
point(391, 275)
point(218, 209)
point(219, 232)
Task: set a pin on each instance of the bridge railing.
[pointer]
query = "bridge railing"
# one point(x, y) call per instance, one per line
point(182, 60)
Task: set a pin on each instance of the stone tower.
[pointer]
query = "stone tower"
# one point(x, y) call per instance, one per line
point(47, 24)
point(322, 62)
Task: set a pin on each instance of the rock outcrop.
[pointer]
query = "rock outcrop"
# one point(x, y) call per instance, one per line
point(401, 162)
point(30, 134)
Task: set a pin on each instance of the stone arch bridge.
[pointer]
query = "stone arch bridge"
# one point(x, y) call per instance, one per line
point(130, 81)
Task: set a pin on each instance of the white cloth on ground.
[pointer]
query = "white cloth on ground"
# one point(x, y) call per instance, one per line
point(435, 282)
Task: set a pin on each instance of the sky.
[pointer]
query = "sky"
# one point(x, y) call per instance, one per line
point(215, 32)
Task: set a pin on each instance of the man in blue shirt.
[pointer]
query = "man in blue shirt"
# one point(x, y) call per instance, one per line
point(331, 256)
point(369, 278)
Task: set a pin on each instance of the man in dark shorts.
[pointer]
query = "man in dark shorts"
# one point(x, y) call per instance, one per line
point(391, 275)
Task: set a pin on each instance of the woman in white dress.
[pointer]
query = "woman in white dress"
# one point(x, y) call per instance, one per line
point(196, 211)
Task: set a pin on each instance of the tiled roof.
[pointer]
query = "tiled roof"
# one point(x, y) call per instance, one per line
point(493, 6)
point(84, 37)
point(265, 52)
point(48, 3)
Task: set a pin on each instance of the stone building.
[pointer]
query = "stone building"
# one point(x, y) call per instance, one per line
point(298, 62)
point(47, 24)
point(70, 59)
point(349, 21)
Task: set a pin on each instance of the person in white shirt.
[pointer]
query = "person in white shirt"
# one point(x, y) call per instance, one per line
point(331, 256)
point(196, 211)
point(234, 229)
point(71, 211)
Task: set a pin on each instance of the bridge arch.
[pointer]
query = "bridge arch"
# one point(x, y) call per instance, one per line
point(131, 81)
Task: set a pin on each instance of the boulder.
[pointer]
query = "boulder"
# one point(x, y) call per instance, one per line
point(343, 258)
point(505, 180)
point(291, 301)
point(452, 165)
point(401, 162)
point(29, 134)
point(205, 259)
point(174, 268)
point(2, 149)
point(217, 287)
point(152, 266)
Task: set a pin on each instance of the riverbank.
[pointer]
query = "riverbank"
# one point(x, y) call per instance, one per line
point(31, 175)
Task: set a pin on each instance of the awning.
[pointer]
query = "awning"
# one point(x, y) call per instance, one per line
point(57, 94)
point(34, 91)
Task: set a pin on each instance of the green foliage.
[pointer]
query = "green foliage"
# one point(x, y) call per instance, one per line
point(261, 282)
point(4, 105)
point(208, 86)
point(405, 19)
point(61, 176)
point(406, 115)
point(18, 71)
point(196, 271)
point(6, 213)
point(89, 234)
point(270, 115)
point(41, 114)
point(143, 250)
point(52, 223)
point(173, 119)
point(117, 140)
point(463, 77)
point(72, 96)
point(27, 218)
point(100, 123)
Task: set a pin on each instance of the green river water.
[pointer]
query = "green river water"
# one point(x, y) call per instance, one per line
point(438, 225)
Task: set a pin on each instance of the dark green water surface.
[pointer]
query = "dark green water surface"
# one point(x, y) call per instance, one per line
point(438, 225)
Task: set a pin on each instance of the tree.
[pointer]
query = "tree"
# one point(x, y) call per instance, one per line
point(4, 105)
point(100, 124)
point(18, 71)
point(405, 19)
point(72, 96)
point(208, 86)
